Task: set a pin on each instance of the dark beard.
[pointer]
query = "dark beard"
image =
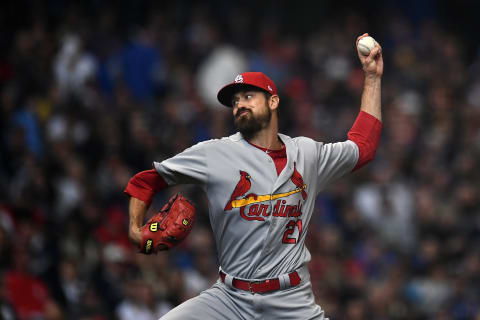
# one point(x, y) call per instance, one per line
point(249, 126)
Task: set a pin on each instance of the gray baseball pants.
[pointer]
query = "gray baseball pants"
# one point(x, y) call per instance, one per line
point(221, 302)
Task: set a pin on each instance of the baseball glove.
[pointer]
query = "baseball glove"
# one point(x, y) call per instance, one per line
point(168, 227)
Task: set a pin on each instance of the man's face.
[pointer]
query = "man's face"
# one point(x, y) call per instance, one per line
point(251, 112)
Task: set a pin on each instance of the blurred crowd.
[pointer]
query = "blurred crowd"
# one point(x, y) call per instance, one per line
point(92, 94)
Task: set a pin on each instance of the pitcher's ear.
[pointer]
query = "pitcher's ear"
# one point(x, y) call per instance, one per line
point(273, 102)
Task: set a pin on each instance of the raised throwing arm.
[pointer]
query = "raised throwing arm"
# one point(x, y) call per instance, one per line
point(373, 71)
point(366, 130)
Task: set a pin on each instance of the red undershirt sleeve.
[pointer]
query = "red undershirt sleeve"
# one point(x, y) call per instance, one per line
point(144, 185)
point(365, 132)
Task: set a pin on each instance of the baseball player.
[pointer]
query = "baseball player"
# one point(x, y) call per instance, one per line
point(261, 187)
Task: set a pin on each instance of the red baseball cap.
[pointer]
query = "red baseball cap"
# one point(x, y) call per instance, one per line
point(256, 79)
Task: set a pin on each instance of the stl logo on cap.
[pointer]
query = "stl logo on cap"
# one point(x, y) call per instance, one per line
point(238, 79)
point(269, 88)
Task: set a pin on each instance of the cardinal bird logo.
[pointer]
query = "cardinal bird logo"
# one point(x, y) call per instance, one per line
point(297, 179)
point(242, 187)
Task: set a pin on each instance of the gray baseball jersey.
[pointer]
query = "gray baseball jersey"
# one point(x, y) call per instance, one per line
point(259, 218)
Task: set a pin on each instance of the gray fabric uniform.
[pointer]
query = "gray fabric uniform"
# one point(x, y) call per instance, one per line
point(260, 230)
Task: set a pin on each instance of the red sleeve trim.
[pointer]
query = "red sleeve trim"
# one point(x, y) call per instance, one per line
point(144, 185)
point(365, 132)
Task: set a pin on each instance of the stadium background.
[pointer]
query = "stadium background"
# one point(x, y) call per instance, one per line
point(92, 93)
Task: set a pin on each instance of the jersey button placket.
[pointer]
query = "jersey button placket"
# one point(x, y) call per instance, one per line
point(271, 221)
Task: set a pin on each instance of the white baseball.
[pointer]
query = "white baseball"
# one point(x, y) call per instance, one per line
point(365, 45)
